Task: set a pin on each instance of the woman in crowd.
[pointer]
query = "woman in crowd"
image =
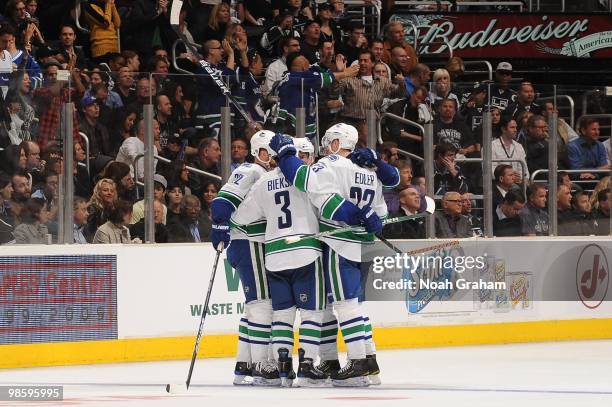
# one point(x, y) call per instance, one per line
point(219, 23)
point(14, 158)
point(210, 191)
point(329, 29)
point(442, 88)
point(33, 230)
point(123, 126)
point(120, 174)
point(82, 181)
point(174, 197)
point(99, 206)
point(115, 230)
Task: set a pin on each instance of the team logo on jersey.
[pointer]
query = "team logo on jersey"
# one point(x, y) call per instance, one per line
point(303, 297)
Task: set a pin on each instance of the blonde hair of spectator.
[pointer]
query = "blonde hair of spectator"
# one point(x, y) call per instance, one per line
point(601, 185)
point(440, 73)
point(96, 197)
point(213, 20)
point(455, 67)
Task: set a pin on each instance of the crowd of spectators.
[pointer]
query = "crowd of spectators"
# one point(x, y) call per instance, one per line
point(275, 57)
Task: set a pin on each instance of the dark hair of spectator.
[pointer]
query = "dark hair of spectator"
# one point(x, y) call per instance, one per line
point(5, 179)
point(533, 188)
point(173, 172)
point(560, 176)
point(405, 163)
point(513, 196)
point(533, 119)
point(284, 42)
point(499, 171)
point(205, 143)
point(116, 171)
point(368, 52)
point(385, 148)
point(585, 122)
point(575, 197)
point(357, 26)
point(119, 211)
point(442, 149)
point(291, 57)
point(78, 200)
point(61, 27)
point(504, 122)
point(602, 195)
point(377, 40)
point(7, 28)
point(32, 209)
point(10, 158)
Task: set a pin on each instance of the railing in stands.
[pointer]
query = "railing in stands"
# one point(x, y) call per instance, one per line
point(174, 63)
point(577, 171)
point(362, 9)
point(164, 159)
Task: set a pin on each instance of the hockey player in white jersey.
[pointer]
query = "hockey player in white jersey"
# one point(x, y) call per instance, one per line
point(344, 194)
point(295, 271)
point(246, 255)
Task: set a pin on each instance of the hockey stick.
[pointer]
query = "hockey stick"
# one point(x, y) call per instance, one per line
point(175, 11)
point(430, 209)
point(183, 387)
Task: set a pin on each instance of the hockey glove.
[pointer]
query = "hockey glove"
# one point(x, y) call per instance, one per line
point(370, 220)
point(282, 145)
point(220, 232)
point(365, 157)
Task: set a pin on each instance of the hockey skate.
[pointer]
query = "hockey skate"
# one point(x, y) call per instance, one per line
point(329, 366)
point(243, 373)
point(374, 370)
point(353, 374)
point(285, 367)
point(308, 375)
point(266, 374)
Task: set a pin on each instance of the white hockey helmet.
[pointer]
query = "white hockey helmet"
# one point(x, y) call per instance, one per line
point(345, 133)
point(260, 140)
point(303, 145)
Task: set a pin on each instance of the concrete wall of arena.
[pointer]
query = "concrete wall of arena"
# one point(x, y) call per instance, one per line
point(159, 292)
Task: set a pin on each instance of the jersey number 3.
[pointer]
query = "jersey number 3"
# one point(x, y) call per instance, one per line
point(282, 198)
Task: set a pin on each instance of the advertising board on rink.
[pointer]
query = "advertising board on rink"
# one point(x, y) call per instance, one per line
point(57, 298)
point(505, 35)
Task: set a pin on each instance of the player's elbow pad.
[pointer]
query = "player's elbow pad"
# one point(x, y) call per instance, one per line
point(221, 210)
point(348, 213)
point(289, 165)
point(387, 174)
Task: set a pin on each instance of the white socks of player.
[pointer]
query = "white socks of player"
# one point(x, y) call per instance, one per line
point(328, 349)
point(259, 316)
point(282, 330)
point(244, 347)
point(310, 332)
point(369, 343)
point(351, 324)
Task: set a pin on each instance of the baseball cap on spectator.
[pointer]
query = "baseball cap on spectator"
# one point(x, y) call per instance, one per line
point(45, 52)
point(309, 23)
point(88, 101)
point(52, 62)
point(504, 66)
point(480, 87)
point(100, 162)
point(160, 179)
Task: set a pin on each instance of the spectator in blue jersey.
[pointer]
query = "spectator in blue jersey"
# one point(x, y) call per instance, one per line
point(298, 89)
point(248, 92)
point(587, 151)
point(23, 60)
point(211, 97)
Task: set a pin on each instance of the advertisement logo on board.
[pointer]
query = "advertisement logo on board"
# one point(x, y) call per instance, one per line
point(592, 276)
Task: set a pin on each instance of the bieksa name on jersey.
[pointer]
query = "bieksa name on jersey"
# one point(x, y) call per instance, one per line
point(364, 179)
point(278, 183)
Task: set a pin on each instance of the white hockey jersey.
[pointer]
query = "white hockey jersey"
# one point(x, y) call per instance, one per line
point(288, 213)
point(331, 181)
point(234, 191)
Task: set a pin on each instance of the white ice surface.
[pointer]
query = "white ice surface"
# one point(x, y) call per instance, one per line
point(567, 374)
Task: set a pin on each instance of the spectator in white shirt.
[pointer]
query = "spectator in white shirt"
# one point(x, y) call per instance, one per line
point(132, 147)
point(275, 71)
point(506, 147)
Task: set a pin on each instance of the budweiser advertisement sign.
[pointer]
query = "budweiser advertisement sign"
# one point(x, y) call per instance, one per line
point(512, 36)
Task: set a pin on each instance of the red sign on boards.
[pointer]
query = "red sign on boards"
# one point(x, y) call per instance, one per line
point(512, 35)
